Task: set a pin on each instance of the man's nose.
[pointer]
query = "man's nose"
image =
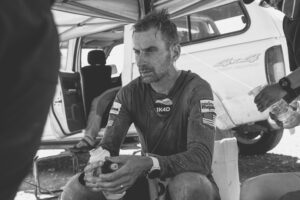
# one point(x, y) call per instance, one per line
point(140, 60)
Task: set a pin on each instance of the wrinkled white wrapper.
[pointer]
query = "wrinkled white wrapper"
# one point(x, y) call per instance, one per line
point(98, 154)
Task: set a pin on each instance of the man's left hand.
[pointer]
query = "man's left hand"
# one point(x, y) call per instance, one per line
point(131, 167)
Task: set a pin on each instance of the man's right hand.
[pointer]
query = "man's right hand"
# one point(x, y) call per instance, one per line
point(120, 180)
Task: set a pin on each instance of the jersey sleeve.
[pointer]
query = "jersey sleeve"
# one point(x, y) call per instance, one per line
point(118, 122)
point(200, 137)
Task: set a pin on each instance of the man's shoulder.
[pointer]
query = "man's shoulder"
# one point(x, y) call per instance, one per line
point(133, 85)
point(196, 80)
point(133, 88)
point(197, 87)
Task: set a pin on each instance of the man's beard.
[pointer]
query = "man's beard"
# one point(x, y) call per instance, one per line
point(149, 75)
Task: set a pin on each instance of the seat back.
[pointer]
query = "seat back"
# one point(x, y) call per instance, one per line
point(96, 77)
point(225, 168)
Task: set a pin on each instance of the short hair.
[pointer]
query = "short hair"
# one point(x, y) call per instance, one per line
point(161, 21)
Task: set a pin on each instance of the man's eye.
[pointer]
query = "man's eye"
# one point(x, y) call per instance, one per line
point(148, 51)
point(137, 51)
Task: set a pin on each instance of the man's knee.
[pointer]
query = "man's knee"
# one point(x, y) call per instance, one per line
point(291, 196)
point(262, 187)
point(74, 190)
point(189, 186)
point(251, 189)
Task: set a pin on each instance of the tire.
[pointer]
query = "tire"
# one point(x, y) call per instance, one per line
point(257, 138)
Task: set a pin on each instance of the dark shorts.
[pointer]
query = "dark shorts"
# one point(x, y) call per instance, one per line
point(140, 190)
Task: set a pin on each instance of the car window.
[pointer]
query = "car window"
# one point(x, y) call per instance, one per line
point(182, 28)
point(63, 55)
point(211, 23)
point(116, 57)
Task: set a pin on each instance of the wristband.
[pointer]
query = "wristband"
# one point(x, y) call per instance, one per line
point(154, 172)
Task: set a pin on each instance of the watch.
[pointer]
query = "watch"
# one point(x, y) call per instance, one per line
point(154, 172)
point(285, 84)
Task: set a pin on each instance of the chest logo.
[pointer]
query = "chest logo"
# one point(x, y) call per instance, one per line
point(163, 106)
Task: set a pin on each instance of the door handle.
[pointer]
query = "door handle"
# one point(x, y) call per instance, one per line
point(58, 101)
point(71, 91)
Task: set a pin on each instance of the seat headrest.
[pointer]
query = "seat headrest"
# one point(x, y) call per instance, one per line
point(96, 57)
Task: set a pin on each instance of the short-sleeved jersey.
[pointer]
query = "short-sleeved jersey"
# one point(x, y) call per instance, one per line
point(177, 128)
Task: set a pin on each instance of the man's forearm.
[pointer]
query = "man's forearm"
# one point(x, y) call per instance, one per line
point(294, 78)
point(196, 159)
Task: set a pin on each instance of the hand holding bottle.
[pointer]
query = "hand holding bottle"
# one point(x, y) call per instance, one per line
point(284, 114)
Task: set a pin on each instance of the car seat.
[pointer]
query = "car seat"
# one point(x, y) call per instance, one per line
point(96, 77)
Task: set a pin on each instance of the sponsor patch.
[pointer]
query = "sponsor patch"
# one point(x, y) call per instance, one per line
point(210, 121)
point(110, 123)
point(166, 101)
point(163, 106)
point(115, 109)
point(163, 109)
point(207, 106)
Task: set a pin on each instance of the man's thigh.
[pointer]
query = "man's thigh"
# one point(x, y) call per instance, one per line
point(291, 196)
point(270, 186)
point(140, 190)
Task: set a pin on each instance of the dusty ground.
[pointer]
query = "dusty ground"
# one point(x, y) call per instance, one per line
point(284, 158)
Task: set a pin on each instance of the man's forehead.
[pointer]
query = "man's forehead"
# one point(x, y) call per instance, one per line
point(147, 39)
point(151, 33)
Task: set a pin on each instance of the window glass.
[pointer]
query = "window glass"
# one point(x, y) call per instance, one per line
point(213, 22)
point(182, 28)
point(116, 57)
point(63, 55)
point(226, 19)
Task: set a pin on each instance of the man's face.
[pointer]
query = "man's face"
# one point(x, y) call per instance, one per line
point(153, 57)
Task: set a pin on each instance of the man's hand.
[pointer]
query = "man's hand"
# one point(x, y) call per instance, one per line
point(275, 120)
point(131, 167)
point(268, 96)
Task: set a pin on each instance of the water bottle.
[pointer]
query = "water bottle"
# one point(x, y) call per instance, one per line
point(289, 115)
point(97, 155)
point(283, 111)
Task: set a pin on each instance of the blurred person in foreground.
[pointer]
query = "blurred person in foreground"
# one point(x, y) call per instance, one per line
point(29, 62)
point(174, 114)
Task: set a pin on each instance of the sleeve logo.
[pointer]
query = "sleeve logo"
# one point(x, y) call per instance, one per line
point(210, 121)
point(207, 106)
point(115, 109)
point(208, 112)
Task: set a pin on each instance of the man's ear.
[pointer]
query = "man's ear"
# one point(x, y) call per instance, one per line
point(176, 49)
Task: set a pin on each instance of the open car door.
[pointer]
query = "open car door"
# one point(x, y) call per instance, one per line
point(67, 115)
